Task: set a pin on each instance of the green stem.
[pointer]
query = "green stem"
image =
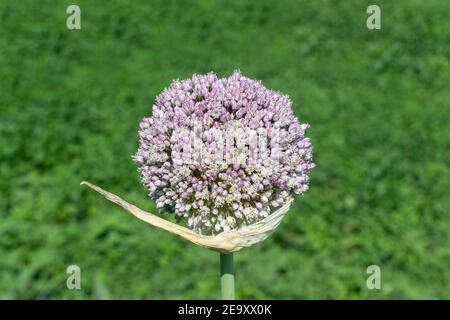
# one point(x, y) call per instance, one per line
point(227, 276)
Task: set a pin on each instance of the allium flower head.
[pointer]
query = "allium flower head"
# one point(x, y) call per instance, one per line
point(222, 153)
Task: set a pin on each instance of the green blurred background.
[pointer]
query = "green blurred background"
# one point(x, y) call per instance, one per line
point(378, 102)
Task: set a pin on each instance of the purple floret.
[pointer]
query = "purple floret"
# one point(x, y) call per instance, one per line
point(222, 153)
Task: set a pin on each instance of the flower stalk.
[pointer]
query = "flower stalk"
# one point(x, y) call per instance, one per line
point(227, 276)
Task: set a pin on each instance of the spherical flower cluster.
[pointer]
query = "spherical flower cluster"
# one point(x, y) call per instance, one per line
point(222, 153)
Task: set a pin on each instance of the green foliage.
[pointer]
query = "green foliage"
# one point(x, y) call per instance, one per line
point(378, 103)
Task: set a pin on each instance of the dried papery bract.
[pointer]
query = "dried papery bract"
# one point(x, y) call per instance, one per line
point(226, 242)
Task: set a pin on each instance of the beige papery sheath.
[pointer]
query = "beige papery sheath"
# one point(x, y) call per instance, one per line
point(229, 241)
